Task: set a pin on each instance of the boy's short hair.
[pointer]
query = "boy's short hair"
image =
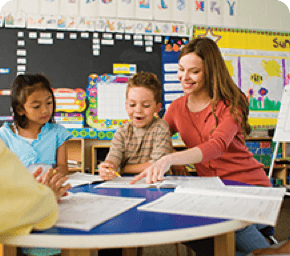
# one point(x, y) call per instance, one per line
point(147, 80)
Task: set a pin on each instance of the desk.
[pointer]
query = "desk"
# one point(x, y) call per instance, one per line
point(133, 229)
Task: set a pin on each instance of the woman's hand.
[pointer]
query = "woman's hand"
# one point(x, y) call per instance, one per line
point(53, 180)
point(106, 171)
point(155, 172)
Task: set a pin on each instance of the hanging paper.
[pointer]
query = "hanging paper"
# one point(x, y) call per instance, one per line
point(214, 13)
point(144, 9)
point(198, 12)
point(88, 8)
point(49, 6)
point(230, 13)
point(162, 9)
point(181, 10)
point(69, 7)
point(108, 8)
point(126, 9)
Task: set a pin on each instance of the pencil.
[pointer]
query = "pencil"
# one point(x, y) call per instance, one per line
point(117, 174)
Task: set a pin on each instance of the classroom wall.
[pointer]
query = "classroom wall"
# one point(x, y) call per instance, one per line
point(252, 14)
point(257, 14)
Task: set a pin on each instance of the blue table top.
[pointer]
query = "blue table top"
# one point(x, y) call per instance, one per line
point(133, 220)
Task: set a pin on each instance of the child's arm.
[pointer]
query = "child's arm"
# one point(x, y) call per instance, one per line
point(284, 249)
point(135, 168)
point(107, 170)
point(61, 159)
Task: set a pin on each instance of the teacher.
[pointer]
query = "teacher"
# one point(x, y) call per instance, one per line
point(212, 119)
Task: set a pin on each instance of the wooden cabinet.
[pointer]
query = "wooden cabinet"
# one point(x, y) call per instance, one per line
point(262, 149)
point(99, 153)
point(75, 153)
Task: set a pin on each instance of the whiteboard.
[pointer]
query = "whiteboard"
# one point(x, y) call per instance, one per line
point(282, 131)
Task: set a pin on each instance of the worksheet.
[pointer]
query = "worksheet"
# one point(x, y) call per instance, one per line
point(80, 178)
point(167, 182)
point(253, 204)
point(85, 211)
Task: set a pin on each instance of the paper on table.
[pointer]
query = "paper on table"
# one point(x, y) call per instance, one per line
point(168, 182)
point(79, 178)
point(254, 208)
point(85, 211)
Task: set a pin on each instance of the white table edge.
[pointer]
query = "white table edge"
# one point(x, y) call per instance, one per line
point(126, 239)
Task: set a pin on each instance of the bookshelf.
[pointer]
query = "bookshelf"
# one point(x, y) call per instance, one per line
point(262, 149)
point(75, 152)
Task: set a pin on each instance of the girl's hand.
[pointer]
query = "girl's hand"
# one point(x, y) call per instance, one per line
point(155, 172)
point(53, 180)
point(107, 171)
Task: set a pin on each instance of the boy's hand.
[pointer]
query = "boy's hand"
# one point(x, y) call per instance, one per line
point(107, 171)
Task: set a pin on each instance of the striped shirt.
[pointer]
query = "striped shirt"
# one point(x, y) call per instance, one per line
point(131, 145)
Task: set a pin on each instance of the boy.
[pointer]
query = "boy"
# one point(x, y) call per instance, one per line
point(145, 138)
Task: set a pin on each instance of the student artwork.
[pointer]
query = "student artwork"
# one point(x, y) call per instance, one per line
point(144, 9)
point(257, 62)
point(49, 6)
point(180, 10)
point(106, 96)
point(1, 20)
point(15, 20)
point(61, 22)
point(69, 7)
point(101, 25)
point(130, 26)
point(70, 100)
point(230, 17)
point(162, 10)
point(111, 25)
point(49, 22)
point(88, 8)
point(214, 13)
point(126, 9)
point(120, 26)
point(71, 23)
point(107, 8)
point(198, 12)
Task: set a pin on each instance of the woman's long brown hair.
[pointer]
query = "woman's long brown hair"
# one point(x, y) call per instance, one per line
point(218, 82)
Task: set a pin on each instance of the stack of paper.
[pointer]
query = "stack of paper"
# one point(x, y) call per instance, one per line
point(253, 204)
point(80, 178)
point(85, 211)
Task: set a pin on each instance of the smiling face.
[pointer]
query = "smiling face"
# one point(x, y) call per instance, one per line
point(141, 106)
point(38, 107)
point(191, 74)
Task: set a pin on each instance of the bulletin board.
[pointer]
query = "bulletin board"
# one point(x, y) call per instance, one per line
point(259, 63)
point(68, 58)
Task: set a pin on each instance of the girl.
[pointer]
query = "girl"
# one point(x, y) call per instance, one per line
point(212, 119)
point(34, 136)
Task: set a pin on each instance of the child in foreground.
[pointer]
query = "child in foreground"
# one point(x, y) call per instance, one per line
point(145, 138)
point(34, 137)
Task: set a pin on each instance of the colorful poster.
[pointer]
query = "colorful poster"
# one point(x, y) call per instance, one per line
point(106, 95)
point(69, 100)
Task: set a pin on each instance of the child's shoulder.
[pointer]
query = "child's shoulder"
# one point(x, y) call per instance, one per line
point(159, 123)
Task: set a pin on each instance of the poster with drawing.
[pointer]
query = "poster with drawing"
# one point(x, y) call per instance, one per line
point(144, 9)
point(263, 83)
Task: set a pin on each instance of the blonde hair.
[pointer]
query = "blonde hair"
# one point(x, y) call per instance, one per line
point(218, 82)
point(147, 80)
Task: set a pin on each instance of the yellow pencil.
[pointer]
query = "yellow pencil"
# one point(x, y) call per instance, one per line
point(117, 174)
point(54, 171)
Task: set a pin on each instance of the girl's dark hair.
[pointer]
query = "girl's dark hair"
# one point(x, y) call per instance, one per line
point(23, 86)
